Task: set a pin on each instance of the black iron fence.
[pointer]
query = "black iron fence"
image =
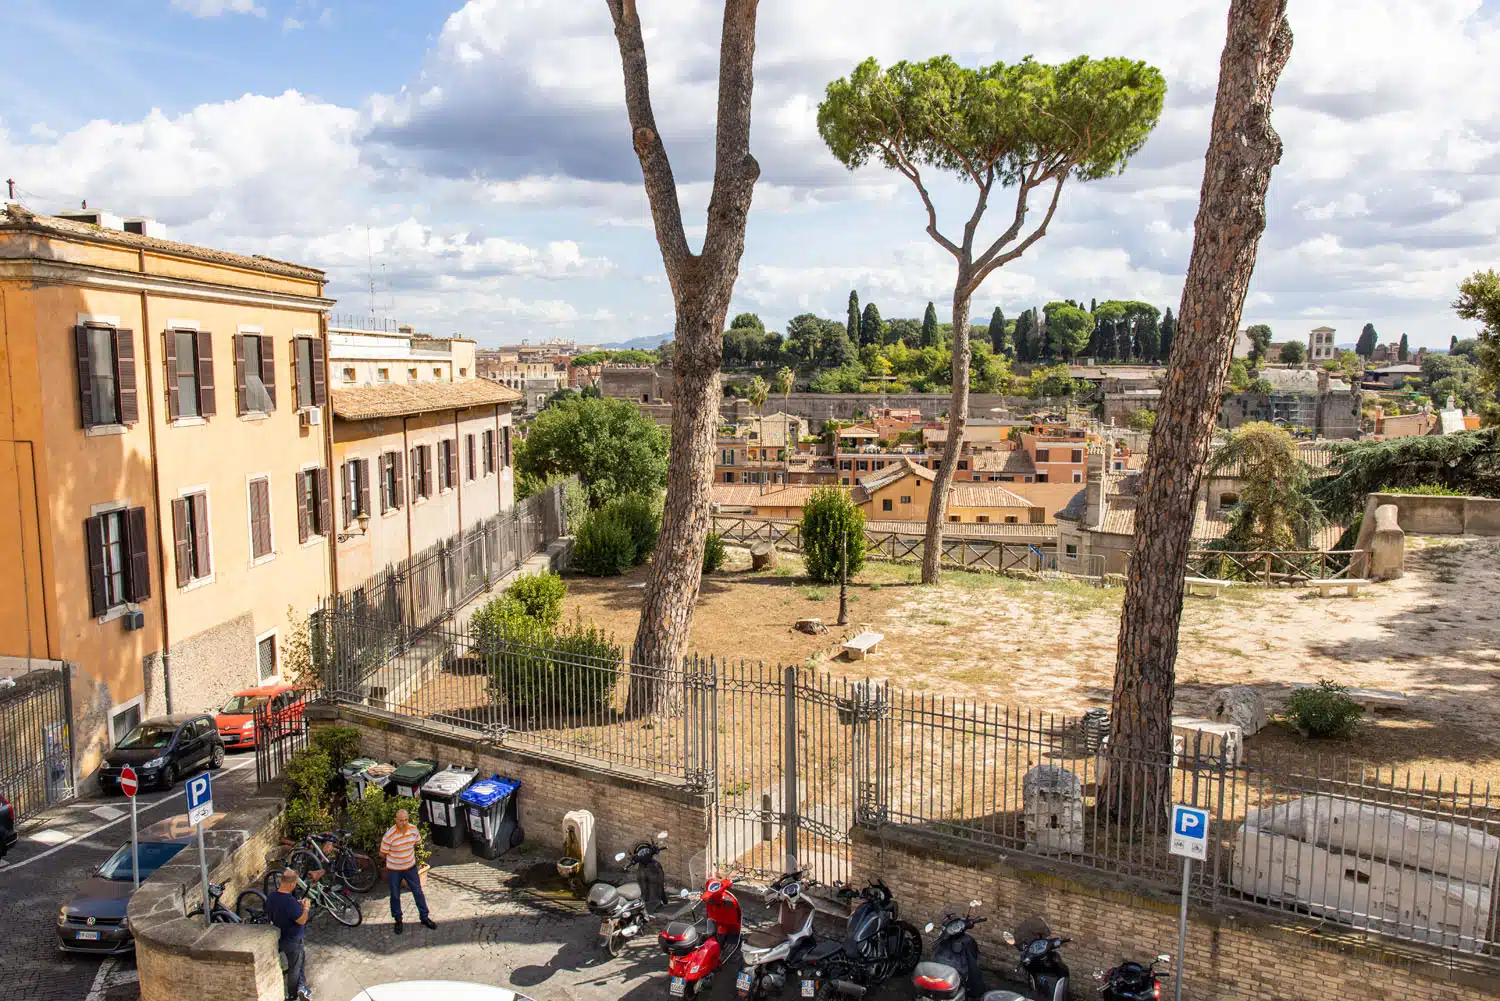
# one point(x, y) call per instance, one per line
point(797, 758)
point(281, 731)
point(36, 743)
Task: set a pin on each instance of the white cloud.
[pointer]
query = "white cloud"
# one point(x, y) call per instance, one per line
point(290, 24)
point(213, 8)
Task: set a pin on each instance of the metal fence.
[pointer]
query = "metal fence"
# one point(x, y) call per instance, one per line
point(795, 759)
point(280, 732)
point(36, 743)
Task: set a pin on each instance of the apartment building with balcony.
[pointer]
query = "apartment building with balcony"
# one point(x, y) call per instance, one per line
point(164, 463)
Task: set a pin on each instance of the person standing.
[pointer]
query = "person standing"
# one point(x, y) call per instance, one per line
point(289, 915)
point(399, 849)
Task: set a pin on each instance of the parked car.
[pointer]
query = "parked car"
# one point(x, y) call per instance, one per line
point(7, 826)
point(92, 920)
point(162, 750)
point(236, 721)
point(437, 990)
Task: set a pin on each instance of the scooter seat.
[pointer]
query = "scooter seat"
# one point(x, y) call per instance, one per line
point(630, 891)
point(604, 898)
point(823, 950)
point(767, 939)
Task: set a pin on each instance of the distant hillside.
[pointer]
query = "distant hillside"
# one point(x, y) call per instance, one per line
point(650, 342)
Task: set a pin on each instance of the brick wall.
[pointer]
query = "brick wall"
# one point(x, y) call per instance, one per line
point(1244, 956)
point(627, 808)
point(177, 957)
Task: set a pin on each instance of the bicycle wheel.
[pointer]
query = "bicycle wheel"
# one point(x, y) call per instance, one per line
point(304, 862)
point(340, 903)
point(358, 870)
point(250, 906)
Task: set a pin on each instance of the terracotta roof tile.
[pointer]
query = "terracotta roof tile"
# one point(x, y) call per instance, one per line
point(361, 403)
point(984, 495)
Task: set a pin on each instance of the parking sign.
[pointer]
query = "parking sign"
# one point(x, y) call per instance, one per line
point(1189, 832)
point(200, 799)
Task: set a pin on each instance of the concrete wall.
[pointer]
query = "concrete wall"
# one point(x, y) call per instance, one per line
point(176, 956)
point(1419, 514)
point(627, 807)
point(1231, 955)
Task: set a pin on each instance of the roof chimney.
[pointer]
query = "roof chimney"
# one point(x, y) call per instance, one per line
point(1093, 491)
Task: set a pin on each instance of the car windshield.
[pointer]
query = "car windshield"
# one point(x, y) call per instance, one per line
point(244, 705)
point(153, 855)
point(148, 735)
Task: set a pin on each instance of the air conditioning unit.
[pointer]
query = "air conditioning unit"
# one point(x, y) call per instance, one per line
point(134, 620)
point(310, 418)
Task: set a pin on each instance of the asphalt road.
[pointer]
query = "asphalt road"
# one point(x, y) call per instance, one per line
point(55, 853)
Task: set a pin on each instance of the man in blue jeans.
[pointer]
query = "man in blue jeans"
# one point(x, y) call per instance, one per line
point(399, 847)
point(289, 915)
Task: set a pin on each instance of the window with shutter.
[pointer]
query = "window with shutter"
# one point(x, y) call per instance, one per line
point(182, 544)
point(304, 482)
point(416, 472)
point(182, 373)
point(397, 480)
point(452, 463)
point(319, 376)
point(260, 518)
point(139, 577)
point(302, 366)
point(207, 398)
point(362, 491)
point(325, 502)
point(129, 412)
point(426, 470)
point(469, 457)
point(93, 533)
point(489, 452)
point(506, 433)
point(190, 526)
point(268, 370)
point(239, 373)
point(346, 481)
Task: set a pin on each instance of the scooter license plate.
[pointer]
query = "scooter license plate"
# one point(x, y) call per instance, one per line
point(743, 980)
point(809, 988)
point(677, 987)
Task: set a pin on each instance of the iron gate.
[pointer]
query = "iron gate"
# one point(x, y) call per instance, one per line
point(280, 732)
point(36, 742)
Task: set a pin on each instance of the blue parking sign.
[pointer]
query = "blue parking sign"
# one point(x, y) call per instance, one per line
point(1189, 832)
point(200, 798)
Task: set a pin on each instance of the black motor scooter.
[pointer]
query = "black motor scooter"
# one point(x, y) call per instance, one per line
point(1130, 981)
point(1041, 963)
point(624, 909)
point(952, 974)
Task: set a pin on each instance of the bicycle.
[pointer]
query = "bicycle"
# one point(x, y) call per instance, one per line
point(354, 869)
point(332, 896)
point(249, 907)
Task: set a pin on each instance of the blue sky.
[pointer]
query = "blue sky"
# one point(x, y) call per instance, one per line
point(477, 153)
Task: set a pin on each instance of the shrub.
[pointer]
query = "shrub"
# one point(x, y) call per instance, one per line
point(569, 670)
point(307, 776)
point(828, 517)
point(1323, 711)
point(304, 817)
point(1427, 490)
point(713, 552)
point(371, 817)
point(340, 743)
point(539, 597)
point(603, 546)
point(641, 517)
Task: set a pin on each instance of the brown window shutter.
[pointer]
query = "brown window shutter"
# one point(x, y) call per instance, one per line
point(426, 470)
point(320, 388)
point(181, 544)
point(489, 452)
point(264, 504)
point(346, 480)
point(140, 562)
point(85, 380)
point(469, 459)
point(130, 411)
point(416, 472)
point(93, 532)
point(202, 559)
point(239, 373)
point(169, 354)
point(325, 503)
point(452, 462)
point(363, 472)
point(296, 376)
point(259, 535)
point(268, 366)
point(398, 480)
point(207, 398)
point(387, 501)
point(508, 457)
point(304, 511)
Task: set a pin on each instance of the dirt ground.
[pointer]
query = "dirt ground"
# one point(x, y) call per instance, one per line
point(1434, 635)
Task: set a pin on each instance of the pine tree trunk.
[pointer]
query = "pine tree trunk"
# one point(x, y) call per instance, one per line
point(1243, 148)
point(958, 418)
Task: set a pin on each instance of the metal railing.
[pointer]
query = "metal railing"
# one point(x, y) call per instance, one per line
point(795, 759)
point(36, 743)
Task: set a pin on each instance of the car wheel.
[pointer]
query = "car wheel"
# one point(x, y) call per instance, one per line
point(169, 776)
point(216, 757)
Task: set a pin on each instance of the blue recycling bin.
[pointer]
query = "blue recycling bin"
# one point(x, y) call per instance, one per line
point(492, 806)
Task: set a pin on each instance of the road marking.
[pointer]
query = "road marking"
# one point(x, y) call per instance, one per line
point(167, 797)
point(107, 813)
point(103, 980)
point(49, 837)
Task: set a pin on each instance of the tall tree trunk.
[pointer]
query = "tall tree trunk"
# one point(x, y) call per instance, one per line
point(701, 288)
point(1243, 147)
point(958, 419)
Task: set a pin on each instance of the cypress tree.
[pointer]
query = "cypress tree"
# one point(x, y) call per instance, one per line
point(1403, 350)
point(852, 326)
point(870, 331)
point(1168, 331)
point(997, 331)
point(929, 327)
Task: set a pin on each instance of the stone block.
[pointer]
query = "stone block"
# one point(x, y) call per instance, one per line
point(1052, 801)
point(1242, 706)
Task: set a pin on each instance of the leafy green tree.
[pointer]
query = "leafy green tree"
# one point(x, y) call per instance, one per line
point(1147, 335)
point(747, 321)
point(1260, 343)
point(1479, 299)
point(929, 327)
point(1368, 339)
point(1022, 336)
point(851, 326)
point(1275, 510)
point(1239, 376)
point(997, 332)
point(1453, 344)
point(1168, 331)
point(804, 341)
point(666, 353)
point(1141, 420)
point(871, 330)
point(1467, 462)
point(1293, 353)
point(833, 528)
point(904, 330)
point(609, 444)
point(1050, 381)
point(1068, 328)
point(1403, 350)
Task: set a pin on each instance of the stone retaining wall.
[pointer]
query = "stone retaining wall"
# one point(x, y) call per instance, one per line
point(1234, 954)
point(178, 957)
point(1420, 514)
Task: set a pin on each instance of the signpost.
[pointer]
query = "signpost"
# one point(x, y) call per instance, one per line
point(200, 803)
point(129, 785)
point(1190, 840)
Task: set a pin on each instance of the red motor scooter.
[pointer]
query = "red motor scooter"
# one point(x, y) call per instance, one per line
point(697, 946)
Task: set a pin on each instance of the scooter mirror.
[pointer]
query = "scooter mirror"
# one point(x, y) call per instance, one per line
point(1098, 974)
point(974, 904)
point(1009, 938)
point(661, 835)
point(927, 927)
point(619, 856)
point(1164, 958)
point(683, 893)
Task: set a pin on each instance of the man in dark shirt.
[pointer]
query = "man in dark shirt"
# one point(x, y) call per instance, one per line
point(289, 915)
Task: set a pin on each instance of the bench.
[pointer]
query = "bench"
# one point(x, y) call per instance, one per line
point(862, 645)
point(1203, 585)
point(1351, 585)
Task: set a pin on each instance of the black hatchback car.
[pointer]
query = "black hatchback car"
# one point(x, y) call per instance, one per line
point(163, 750)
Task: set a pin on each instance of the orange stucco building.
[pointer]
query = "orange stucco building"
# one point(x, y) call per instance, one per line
point(165, 489)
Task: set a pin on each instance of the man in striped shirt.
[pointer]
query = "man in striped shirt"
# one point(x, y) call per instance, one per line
point(399, 848)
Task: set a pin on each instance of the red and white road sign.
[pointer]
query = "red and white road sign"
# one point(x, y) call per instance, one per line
point(127, 780)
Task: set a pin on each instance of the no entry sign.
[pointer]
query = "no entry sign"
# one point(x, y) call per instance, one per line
point(128, 784)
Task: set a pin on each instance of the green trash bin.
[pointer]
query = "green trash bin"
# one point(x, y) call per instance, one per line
point(408, 779)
